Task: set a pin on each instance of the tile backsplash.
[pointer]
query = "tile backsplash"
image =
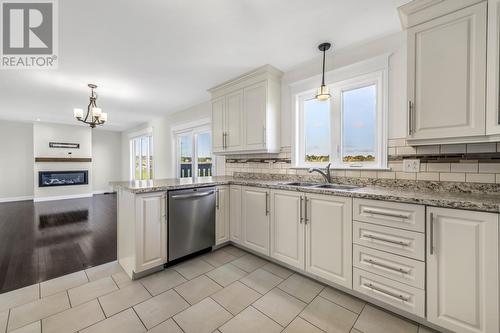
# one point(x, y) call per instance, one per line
point(472, 163)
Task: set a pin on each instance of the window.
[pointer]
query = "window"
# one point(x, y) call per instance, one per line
point(141, 152)
point(347, 131)
point(194, 152)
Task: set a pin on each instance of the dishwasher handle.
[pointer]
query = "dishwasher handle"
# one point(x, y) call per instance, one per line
point(191, 196)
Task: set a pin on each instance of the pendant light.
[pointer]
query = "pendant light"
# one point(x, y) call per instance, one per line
point(323, 92)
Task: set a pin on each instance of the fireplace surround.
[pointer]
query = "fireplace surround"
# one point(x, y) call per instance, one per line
point(62, 178)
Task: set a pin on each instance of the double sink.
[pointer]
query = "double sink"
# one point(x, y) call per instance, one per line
point(344, 187)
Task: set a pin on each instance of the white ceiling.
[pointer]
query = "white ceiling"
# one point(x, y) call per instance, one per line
point(153, 57)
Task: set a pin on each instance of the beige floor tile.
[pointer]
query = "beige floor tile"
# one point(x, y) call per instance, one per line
point(236, 297)
point(74, 319)
point(197, 289)
point(250, 320)
point(329, 316)
point(162, 281)
point(168, 326)
point(355, 331)
point(218, 258)
point(425, 329)
point(107, 269)
point(91, 290)
point(226, 274)
point(249, 262)
point(279, 306)
point(193, 268)
point(203, 317)
point(123, 298)
point(347, 301)
point(19, 296)
point(261, 280)
point(4, 317)
point(37, 310)
point(123, 322)
point(122, 279)
point(374, 320)
point(234, 251)
point(299, 325)
point(301, 287)
point(63, 283)
point(160, 308)
point(35, 327)
point(282, 272)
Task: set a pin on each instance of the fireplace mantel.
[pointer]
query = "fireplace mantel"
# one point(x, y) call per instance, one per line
point(63, 159)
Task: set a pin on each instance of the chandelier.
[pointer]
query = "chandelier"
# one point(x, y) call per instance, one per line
point(94, 115)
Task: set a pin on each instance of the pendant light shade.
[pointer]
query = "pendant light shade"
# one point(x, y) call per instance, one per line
point(323, 91)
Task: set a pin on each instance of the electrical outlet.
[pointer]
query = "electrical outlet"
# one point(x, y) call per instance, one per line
point(411, 165)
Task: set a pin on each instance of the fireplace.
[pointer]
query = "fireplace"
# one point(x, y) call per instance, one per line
point(62, 178)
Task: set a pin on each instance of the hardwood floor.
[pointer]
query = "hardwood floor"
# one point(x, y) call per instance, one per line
point(44, 240)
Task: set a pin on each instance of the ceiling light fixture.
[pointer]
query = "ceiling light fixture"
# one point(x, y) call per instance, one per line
point(323, 92)
point(94, 116)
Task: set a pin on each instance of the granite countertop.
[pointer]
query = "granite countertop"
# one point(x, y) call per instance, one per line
point(487, 202)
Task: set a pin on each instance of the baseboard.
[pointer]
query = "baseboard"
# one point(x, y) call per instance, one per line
point(63, 197)
point(11, 199)
point(102, 192)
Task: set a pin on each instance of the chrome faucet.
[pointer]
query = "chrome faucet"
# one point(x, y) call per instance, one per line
point(327, 175)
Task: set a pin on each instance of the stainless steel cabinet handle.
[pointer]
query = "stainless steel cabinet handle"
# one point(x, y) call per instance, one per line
point(163, 208)
point(431, 232)
point(410, 118)
point(191, 196)
point(267, 204)
point(402, 243)
point(391, 294)
point(217, 194)
point(376, 263)
point(384, 213)
point(305, 211)
point(300, 210)
point(264, 134)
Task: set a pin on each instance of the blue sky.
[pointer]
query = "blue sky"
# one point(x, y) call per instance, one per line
point(359, 118)
point(204, 145)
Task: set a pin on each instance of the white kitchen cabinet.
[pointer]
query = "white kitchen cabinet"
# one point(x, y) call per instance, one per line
point(235, 214)
point(493, 72)
point(246, 113)
point(447, 76)
point(462, 270)
point(218, 124)
point(222, 215)
point(287, 228)
point(151, 231)
point(255, 219)
point(328, 243)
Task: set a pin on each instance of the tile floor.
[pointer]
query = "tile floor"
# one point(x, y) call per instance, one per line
point(228, 290)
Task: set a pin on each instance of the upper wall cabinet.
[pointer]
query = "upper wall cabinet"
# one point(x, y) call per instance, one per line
point(246, 113)
point(493, 72)
point(446, 70)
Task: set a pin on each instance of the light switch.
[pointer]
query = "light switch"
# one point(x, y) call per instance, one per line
point(411, 165)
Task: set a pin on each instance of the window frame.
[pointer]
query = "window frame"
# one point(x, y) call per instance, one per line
point(150, 154)
point(377, 78)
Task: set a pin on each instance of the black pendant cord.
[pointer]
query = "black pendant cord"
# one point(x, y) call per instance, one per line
point(324, 59)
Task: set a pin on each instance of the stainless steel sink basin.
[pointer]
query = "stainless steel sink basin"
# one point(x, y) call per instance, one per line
point(300, 184)
point(339, 187)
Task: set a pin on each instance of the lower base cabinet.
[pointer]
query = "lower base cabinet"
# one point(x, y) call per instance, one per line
point(462, 270)
point(222, 215)
point(235, 214)
point(255, 212)
point(313, 233)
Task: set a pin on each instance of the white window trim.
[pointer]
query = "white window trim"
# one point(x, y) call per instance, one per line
point(375, 70)
point(194, 128)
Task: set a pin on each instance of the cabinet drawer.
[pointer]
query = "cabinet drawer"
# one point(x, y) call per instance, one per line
point(401, 269)
point(406, 243)
point(391, 214)
point(397, 294)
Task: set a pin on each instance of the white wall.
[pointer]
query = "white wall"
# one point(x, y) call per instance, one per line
point(43, 133)
point(106, 159)
point(16, 160)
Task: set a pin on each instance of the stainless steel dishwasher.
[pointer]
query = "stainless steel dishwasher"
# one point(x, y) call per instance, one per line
point(191, 221)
